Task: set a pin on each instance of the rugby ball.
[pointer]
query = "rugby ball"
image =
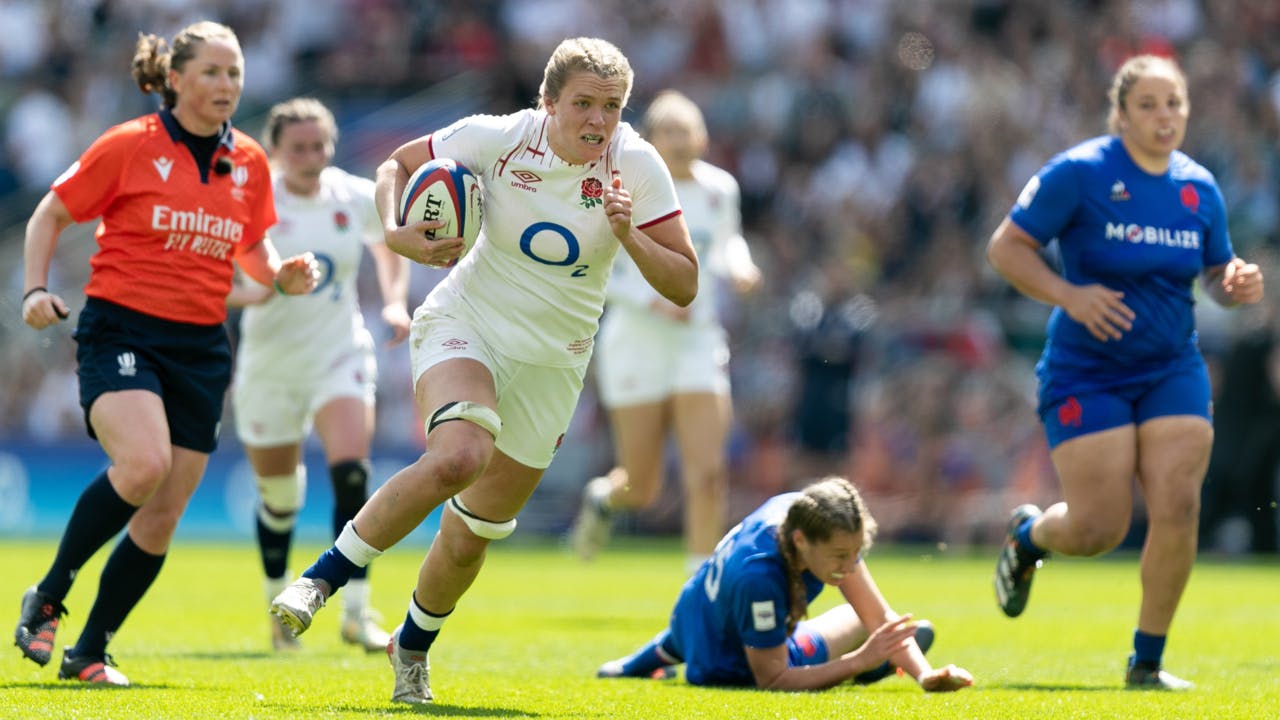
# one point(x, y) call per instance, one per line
point(444, 190)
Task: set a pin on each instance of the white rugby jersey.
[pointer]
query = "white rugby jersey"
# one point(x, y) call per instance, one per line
point(534, 284)
point(713, 214)
point(290, 335)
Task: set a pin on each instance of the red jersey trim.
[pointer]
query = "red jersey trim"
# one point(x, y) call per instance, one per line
point(668, 216)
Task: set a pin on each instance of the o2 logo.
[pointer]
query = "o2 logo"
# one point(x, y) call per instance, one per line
point(572, 250)
point(326, 266)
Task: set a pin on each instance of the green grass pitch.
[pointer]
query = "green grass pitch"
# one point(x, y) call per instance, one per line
point(527, 639)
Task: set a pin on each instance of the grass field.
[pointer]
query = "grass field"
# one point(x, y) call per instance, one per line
point(529, 636)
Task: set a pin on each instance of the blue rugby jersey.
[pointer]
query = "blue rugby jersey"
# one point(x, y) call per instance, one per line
point(738, 597)
point(1148, 236)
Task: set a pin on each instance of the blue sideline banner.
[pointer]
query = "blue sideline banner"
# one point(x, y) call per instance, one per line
point(39, 485)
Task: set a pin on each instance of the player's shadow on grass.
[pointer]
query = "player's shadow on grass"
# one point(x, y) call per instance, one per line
point(83, 686)
point(225, 655)
point(435, 709)
point(1049, 687)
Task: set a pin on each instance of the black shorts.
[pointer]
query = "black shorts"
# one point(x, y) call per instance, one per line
point(188, 366)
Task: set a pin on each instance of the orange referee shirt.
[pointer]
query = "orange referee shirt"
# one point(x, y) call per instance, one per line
point(169, 233)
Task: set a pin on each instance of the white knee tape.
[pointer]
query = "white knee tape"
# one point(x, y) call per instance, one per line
point(284, 493)
point(469, 411)
point(486, 529)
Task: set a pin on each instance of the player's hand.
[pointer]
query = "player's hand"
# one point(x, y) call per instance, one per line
point(298, 275)
point(42, 308)
point(946, 679)
point(617, 207)
point(414, 241)
point(1242, 281)
point(889, 638)
point(1100, 310)
point(396, 316)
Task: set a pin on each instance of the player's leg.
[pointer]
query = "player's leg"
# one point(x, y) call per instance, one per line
point(281, 481)
point(1094, 451)
point(841, 631)
point(478, 515)
point(456, 396)
point(345, 427)
point(272, 416)
point(656, 660)
point(537, 404)
point(639, 435)
point(701, 422)
point(131, 569)
point(1175, 439)
point(132, 429)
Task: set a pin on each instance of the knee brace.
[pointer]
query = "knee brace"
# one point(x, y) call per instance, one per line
point(350, 479)
point(469, 411)
point(480, 527)
point(282, 497)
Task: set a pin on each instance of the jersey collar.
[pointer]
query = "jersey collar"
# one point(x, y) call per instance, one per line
point(226, 138)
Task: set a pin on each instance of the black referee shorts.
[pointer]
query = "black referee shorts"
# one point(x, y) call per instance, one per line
point(188, 366)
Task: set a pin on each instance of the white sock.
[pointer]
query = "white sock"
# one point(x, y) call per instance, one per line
point(274, 586)
point(355, 598)
point(423, 619)
point(355, 549)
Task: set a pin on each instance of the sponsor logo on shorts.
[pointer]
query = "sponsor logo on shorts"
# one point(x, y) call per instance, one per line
point(454, 344)
point(128, 364)
point(807, 646)
point(1070, 414)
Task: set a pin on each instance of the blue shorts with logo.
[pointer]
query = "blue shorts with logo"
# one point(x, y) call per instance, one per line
point(1095, 403)
point(188, 366)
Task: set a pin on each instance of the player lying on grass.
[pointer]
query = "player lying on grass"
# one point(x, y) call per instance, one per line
point(740, 619)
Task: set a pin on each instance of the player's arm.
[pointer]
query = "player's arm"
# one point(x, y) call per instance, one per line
point(393, 280)
point(862, 593)
point(663, 251)
point(410, 240)
point(293, 276)
point(1015, 254)
point(41, 308)
point(1233, 283)
point(773, 672)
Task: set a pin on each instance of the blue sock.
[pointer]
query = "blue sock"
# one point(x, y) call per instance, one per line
point(659, 652)
point(413, 636)
point(333, 567)
point(1148, 649)
point(98, 516)
point(129, 571)
point(1025, 544)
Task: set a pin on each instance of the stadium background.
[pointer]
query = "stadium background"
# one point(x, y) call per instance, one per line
point(877, 144)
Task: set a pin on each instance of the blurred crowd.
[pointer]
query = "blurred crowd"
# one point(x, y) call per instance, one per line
point(877, 144)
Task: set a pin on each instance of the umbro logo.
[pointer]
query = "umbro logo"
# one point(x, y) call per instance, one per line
point(163, 166)
point(524, 180)
point(454, 344)
point(128, 364)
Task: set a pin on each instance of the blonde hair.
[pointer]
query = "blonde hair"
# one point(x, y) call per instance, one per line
point(824, 507)
point(673, 106)
point(297, 110)
point(153, 58)
point(1134, 69)
point(594, 55)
